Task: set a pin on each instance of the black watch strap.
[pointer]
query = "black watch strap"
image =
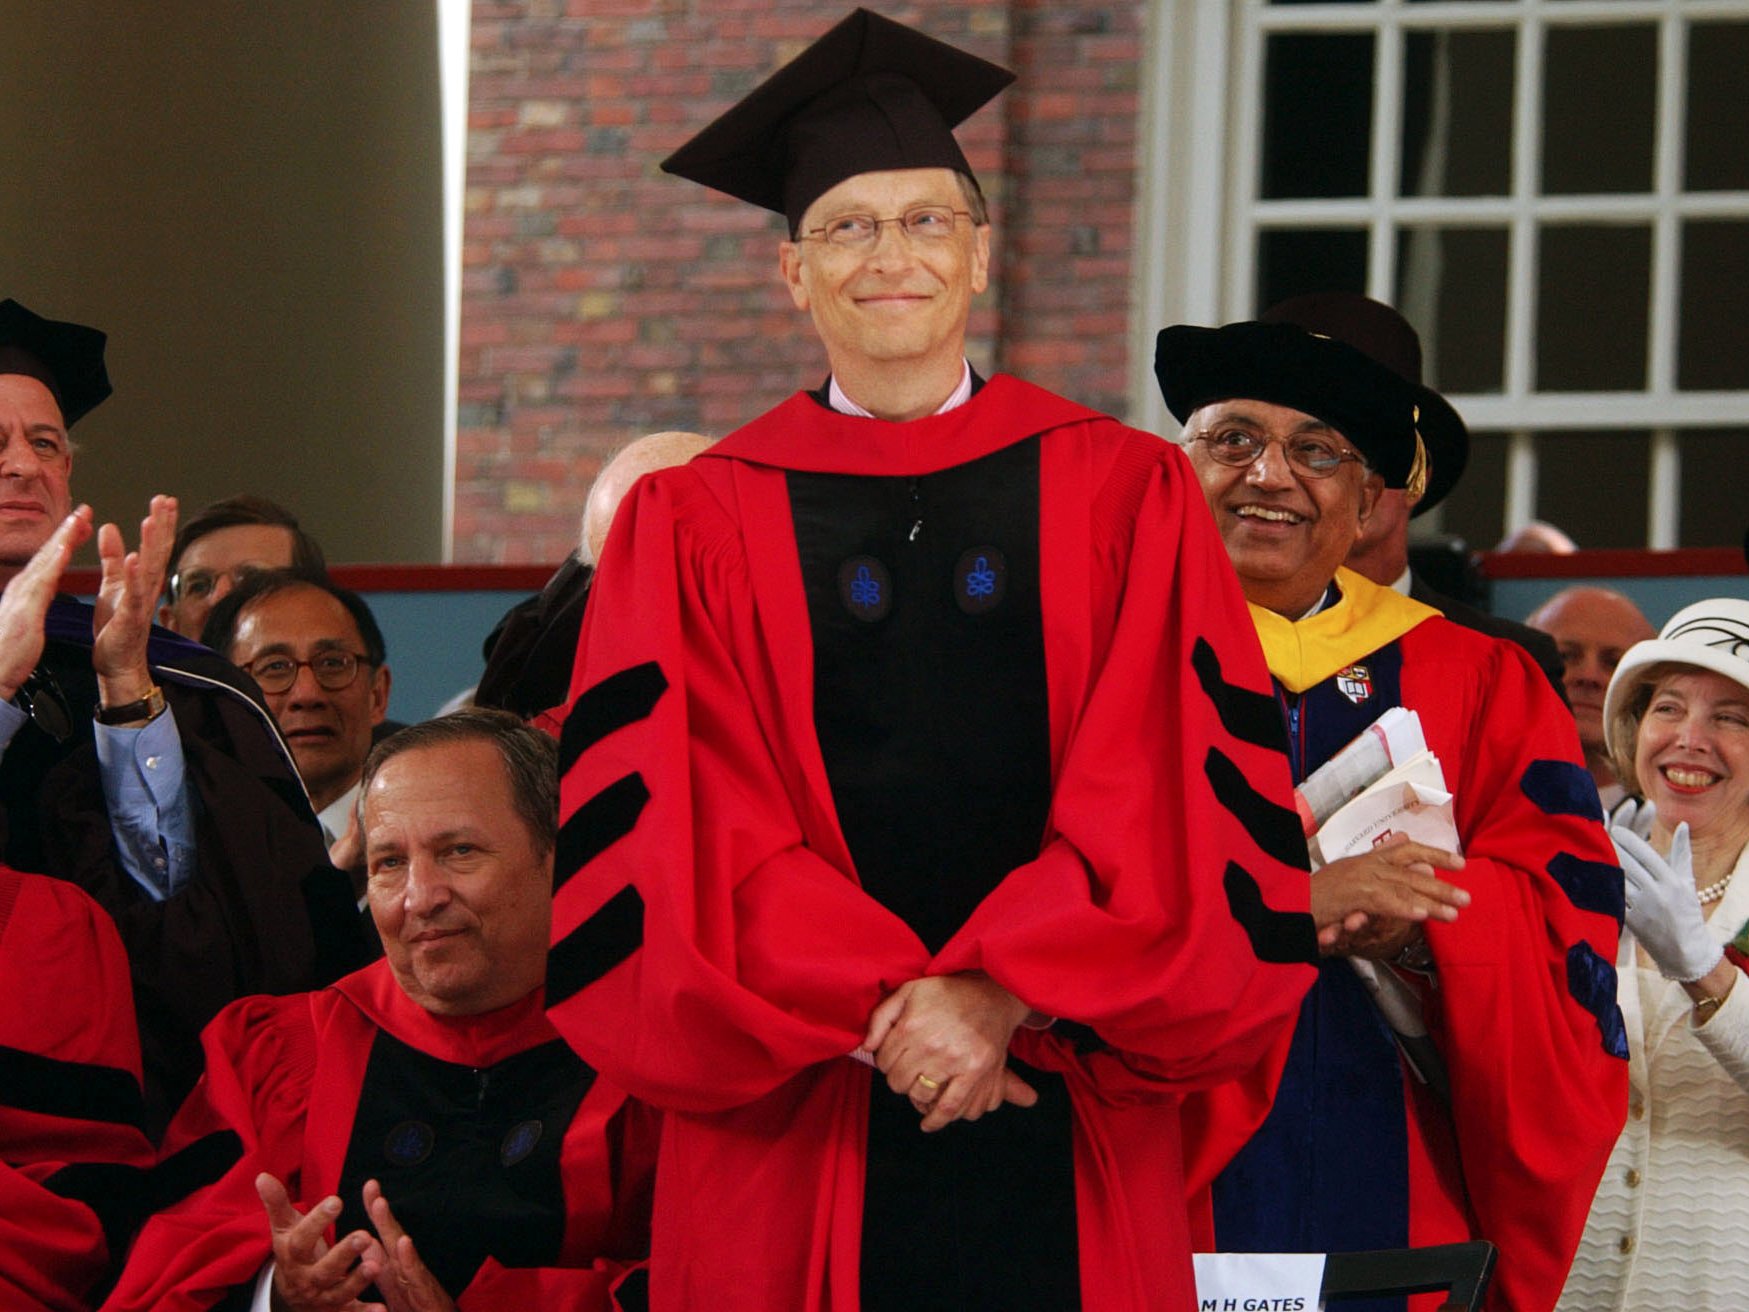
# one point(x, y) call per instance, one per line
point(149, 707)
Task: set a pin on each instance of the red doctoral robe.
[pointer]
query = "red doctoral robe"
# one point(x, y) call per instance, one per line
point(715, 953)
point(284, 1073)
point(1521, 1000)
point(70, 1106)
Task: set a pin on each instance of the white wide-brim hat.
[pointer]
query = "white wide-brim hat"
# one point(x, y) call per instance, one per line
point(1709, 635)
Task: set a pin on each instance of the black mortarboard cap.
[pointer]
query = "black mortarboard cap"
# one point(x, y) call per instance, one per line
point(67, 358)
point(869, 95)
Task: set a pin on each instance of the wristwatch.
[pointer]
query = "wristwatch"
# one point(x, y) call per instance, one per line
point(149, 707)
point(1416, 955)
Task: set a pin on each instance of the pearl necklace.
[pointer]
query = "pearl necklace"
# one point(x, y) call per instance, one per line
point(1715, 890)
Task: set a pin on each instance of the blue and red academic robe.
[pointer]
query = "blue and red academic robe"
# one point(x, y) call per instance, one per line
point(522, 1179)
point(859, 702)
point(72, 1144)
point(1356, 1153)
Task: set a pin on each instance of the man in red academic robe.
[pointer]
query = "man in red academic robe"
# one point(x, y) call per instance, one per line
point(71, 1142)
point(917, 725)
point(418, 1127)
point(1508, 947)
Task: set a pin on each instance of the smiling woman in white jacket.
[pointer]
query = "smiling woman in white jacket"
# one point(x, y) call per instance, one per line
point(1667, 1228)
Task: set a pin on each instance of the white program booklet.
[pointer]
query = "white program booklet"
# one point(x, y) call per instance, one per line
point(1410, 798)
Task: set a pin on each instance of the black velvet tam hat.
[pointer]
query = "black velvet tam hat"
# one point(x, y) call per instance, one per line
point(1386, 336)
point(1368, 403)
point(67, 358)
point(869, 95)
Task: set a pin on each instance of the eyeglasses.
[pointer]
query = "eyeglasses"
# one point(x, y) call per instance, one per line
point(1311, 457)
point(921, 223)
point(334, 670)
point(198, 585)
point(41, 698)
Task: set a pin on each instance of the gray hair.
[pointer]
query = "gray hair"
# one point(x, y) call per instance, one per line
point(530, 757)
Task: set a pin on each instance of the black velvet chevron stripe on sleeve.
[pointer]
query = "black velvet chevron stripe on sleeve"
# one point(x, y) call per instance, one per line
point(596, 946)
point(1591, 981)
point(596, 825)
point(31, 1082)
point(1561, 788)
point(1276, 936)
point(1251, 717)
point(1273, 828)
point(123, 1196)
point(1590, 885)
point(618, 700)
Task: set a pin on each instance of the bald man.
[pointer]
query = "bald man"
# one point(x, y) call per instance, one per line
point(643, 456)
point(529, 654)
point(1535, 537)
point(1592, 627)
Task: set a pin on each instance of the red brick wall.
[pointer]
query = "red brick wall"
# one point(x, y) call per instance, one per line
point(602, 298)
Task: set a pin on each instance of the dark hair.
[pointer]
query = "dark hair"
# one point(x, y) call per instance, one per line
point(246, 508)
point(220, 631)
point(530, 757)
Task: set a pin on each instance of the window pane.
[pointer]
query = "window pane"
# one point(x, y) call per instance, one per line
point(1599, 92)
point(1317, 115)
point(1718, 107)
point(1715, 512)
point(1713, 347)
point(1593, 485)
point(1293, 261)
point(1451, 284)
point(1457, 114)
point(1475, 510)
point(1591, 309)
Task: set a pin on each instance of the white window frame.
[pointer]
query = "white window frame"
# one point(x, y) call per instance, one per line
point(1199, 212)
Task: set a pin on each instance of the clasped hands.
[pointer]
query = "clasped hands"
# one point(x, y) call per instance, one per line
point(309, 1274)
point(1372, 904)
point(942, 1042)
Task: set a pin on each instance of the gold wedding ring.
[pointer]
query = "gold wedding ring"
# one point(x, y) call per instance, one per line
point(927, 1083)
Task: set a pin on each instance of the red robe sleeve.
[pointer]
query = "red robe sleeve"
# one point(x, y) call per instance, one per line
point(715, 941)
point(1525, 1006)
point(250, 1108)
point(752, 956)
point(71, 1142)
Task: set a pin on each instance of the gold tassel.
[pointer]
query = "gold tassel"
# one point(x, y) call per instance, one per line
point(1416, 484)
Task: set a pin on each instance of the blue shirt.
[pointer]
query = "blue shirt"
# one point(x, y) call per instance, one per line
point(145, 784)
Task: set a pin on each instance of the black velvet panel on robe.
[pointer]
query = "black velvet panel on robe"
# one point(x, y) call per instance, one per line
point(468, 1158)
point(930, 705)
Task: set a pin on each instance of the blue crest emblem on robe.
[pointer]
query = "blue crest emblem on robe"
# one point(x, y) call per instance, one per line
point(866, 588)
point(980, 580)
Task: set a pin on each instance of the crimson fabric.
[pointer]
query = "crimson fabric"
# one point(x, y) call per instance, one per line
point(284, 1075)
point(68, 1019)
point(761, 957)
point(1538, 1100)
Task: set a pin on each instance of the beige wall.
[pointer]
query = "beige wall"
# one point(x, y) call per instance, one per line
point(245, 194)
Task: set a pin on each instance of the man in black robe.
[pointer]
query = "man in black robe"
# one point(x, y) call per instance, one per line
point(137, 764)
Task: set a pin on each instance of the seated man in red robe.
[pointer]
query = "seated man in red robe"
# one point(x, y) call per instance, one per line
point(71, 1142)
point(72, 1137)
point(917, 724)
point(1508, 947)
point(418, 1126)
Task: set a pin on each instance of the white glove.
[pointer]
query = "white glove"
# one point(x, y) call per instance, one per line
point(1634, 813)
point(1663, 912)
